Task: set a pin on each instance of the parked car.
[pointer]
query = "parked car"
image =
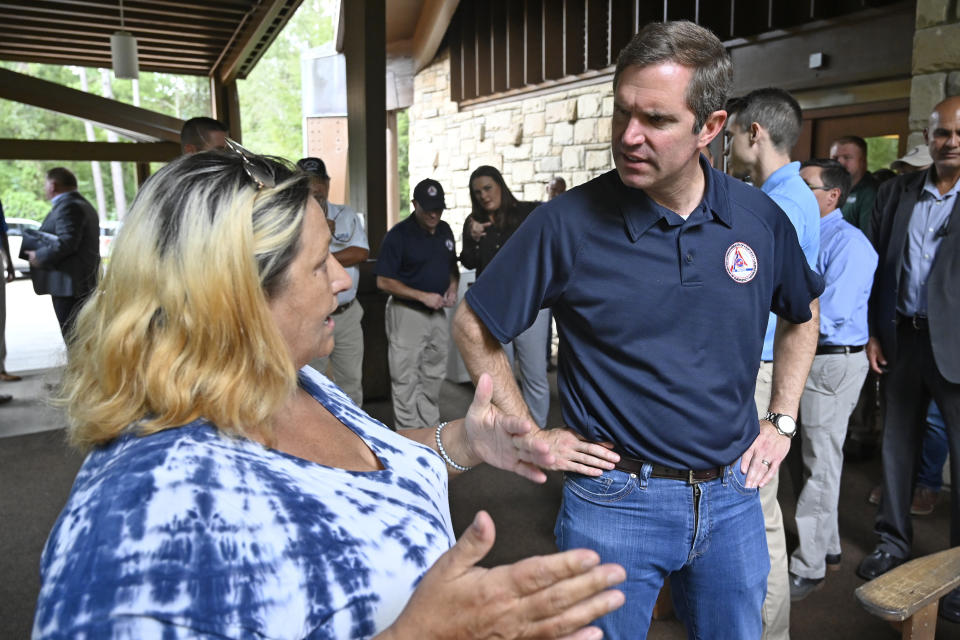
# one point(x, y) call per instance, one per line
point(15, 227)
point(108, 229)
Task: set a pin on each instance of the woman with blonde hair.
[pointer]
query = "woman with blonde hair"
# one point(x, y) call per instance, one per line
point(232, 491)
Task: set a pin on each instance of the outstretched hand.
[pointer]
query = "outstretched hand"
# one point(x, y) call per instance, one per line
point(518, 445)
point(553, 596)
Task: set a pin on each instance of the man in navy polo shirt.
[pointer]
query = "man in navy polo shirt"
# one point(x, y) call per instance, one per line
point(660, 275)
point(418, 268)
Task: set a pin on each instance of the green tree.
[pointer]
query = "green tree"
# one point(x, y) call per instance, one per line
point(270, 108)
point(271, 111)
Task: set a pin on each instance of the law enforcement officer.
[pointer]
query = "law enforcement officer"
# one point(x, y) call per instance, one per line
point(418, 268)
point(348, 243)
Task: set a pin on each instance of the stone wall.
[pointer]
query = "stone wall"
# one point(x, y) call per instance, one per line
point(529, 139)
point(936, 61)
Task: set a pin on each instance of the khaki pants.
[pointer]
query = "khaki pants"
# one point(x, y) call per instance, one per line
point(776, 606)
point(346, 359)
point(829, 396)
point(417, 352)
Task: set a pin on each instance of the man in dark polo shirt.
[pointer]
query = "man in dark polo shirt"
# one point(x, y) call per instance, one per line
point(418, 268)
point(660, 275)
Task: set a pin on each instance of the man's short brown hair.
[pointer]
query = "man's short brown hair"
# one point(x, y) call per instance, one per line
point(690, 45)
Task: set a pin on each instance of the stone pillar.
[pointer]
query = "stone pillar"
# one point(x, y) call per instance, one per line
point(936, 61)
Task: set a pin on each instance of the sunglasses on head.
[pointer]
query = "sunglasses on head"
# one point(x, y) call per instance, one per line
point(258, 170)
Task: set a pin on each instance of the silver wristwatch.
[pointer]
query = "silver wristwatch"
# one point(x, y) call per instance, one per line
point(784, 424)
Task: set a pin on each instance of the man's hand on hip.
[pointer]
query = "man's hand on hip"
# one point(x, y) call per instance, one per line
point(761, 462)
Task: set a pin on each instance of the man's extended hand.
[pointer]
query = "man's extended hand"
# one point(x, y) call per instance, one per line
point(761, 462)
point(572, 453)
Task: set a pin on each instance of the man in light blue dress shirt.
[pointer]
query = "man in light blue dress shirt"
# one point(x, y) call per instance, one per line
point(762, 128)
point(847, 263)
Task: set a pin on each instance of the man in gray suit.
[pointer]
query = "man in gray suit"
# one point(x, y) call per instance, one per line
point(67, 261)
point(914, 336)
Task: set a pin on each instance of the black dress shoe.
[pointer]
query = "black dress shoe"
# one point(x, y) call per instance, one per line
point(950, 606)
point(801, 587)
point(877, 564)
point(833, 561)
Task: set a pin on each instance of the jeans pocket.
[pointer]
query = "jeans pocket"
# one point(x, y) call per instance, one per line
point(609, 487)
point(738, 480)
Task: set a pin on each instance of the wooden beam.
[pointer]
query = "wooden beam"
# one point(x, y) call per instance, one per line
point(256, 34)
point(68, 150)
point(435, 16)
point(138, 124)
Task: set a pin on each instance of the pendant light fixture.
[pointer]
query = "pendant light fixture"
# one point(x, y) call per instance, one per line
point(123, 50)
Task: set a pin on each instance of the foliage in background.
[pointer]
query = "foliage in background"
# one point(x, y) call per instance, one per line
point(271, 115)
point(403, 162)
point(21, 181)
point(881, 151)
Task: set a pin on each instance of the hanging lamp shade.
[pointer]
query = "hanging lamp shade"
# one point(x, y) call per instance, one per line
point(123, 50)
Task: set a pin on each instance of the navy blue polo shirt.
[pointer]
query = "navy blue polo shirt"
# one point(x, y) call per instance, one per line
point(661, 319)
point(416, 258)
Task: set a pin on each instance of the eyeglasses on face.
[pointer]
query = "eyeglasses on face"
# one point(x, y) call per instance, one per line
point(254, 165)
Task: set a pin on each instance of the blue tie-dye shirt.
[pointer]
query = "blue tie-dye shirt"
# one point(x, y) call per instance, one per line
point(191, 533)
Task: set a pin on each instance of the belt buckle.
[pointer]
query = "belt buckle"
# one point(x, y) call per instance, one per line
point(914, 320)
point(691, 478)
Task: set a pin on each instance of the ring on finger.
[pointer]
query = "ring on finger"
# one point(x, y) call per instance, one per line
point(766, 462)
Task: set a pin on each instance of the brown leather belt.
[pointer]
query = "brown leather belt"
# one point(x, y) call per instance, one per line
point(691, 476)
point(833, 349)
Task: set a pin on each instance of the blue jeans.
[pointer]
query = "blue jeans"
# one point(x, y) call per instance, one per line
point(708, 538)
point(933, 454)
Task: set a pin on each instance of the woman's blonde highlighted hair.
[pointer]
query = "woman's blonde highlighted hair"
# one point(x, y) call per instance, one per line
point(179, 328)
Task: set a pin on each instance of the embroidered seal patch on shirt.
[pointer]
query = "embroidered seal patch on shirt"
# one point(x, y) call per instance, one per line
point(740, 262)
point(449, 244)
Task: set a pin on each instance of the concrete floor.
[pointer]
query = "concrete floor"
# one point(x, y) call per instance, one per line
point(37, 470)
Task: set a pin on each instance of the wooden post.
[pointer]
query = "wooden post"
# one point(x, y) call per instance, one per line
point(366, 57)
point(225, 106)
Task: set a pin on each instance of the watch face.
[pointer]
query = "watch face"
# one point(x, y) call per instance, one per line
point(786, 424)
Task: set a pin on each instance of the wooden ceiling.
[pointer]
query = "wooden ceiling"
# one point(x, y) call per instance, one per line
point(217, 38)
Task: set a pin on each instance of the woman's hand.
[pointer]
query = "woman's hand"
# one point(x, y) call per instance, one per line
point(552, 596)
point(477, 229)
point(518, 445)
point(497, 439)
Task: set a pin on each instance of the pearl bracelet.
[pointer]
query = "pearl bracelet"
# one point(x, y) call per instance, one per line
point(443, 452)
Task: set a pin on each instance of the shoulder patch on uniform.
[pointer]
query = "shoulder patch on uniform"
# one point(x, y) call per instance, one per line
point(740, 262)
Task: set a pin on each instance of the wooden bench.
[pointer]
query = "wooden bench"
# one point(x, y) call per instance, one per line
point(908, 596)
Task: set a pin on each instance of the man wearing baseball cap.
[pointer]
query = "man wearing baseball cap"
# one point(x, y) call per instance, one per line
point(348, 243)
point(917, 159)
point(418, 268)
